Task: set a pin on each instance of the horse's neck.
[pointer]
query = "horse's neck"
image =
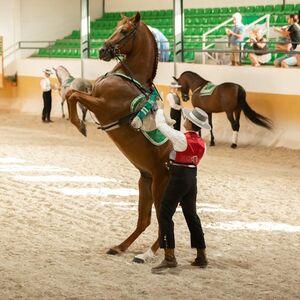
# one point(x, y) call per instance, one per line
point(141, 63)
point(66, 78)
point(197, 83)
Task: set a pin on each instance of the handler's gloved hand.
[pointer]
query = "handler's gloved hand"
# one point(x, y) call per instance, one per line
point(136, 123)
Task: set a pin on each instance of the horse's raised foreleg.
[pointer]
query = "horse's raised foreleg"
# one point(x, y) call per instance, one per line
point(212, 138)
point(144, 214)
point(90, 102)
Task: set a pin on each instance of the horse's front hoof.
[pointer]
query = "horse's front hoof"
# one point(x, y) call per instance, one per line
point(212, 144)
point(63, 116)
point(138, 260)
point(233, 146)
point(113, 251)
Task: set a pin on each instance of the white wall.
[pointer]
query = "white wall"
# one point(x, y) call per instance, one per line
point(36, 20)
point(10, 24)
point(280, 81)
point(138, 5)
point(49, 20)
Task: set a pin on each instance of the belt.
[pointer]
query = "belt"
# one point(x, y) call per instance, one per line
point(182, 165)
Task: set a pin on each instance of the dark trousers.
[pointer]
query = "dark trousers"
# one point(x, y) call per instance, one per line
point(182, 188)
point(47, 97)
point(176, 115)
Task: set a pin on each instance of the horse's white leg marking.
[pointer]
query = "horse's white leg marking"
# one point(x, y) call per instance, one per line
point(144, 257)
point(235, 137)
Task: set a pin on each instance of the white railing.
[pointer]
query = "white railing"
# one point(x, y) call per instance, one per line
point(246, 34)
point(204, 39)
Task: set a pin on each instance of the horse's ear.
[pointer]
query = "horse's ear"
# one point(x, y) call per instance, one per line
point(137, 18)
point(175, 78)
point(122, 15)
point(54, 69)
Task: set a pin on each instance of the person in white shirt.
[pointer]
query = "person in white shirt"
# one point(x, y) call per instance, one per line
point(47, 97)
point(174, 102)
point(188, 150)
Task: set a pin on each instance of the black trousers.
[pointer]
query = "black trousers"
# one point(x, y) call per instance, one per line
point(47, 97)
point(176, 115)
point(182, 188)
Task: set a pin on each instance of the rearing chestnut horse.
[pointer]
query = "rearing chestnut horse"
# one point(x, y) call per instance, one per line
point(110, 101)
point(227, 97)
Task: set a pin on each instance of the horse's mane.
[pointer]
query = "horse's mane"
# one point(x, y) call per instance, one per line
point(194, 75)
point(64, 68)
point(155, 53)
point(190, 73)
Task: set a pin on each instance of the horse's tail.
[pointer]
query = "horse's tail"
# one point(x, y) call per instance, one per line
point(250, 113)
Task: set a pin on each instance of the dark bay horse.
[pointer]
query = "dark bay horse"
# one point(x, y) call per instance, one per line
point(228, 97)
point(110, 101)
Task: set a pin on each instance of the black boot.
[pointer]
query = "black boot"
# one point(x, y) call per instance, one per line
point(200, 260)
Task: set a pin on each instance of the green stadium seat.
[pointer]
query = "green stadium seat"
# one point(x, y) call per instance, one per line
point(242, 9)
point(224, 10)
point(216, 11)
point(281, 20)
point(94, 53)
point(189, 56)
point(208, 11)
point(278, 8)
point(232, 10)
point(289, 9)
point(44, 52)
point(259, 9)
point(269, 8)
point(75, 34)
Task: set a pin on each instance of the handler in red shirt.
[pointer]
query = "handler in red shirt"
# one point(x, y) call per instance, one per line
point(188, 149)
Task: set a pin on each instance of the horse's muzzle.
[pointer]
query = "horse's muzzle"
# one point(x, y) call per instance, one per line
point(185, 97)
point(107, 52)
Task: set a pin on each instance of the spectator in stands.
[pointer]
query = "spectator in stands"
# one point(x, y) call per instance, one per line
point(284, 43)
point(235, 35)
point(261, 53)
point(162, 44)
point(293, 32)
point(298, 56)
point(47, 97)
point(174, 102)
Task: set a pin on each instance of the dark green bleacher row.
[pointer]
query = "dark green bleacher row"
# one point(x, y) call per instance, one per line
point(197, 22)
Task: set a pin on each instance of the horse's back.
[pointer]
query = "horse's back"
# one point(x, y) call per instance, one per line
point(115, 87)
point(82, 85)
point(223, 98)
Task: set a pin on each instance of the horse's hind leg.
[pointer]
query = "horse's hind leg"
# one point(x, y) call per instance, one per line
point(62, 108)
point(212, 138)
point(144, 214)
point(235, 125)
point(158, 187)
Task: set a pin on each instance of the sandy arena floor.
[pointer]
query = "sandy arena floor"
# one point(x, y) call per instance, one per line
point(65, 199)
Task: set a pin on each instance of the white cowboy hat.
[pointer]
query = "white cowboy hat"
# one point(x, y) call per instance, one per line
point(197, 116)
point(47, 71)
point(175, 85)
